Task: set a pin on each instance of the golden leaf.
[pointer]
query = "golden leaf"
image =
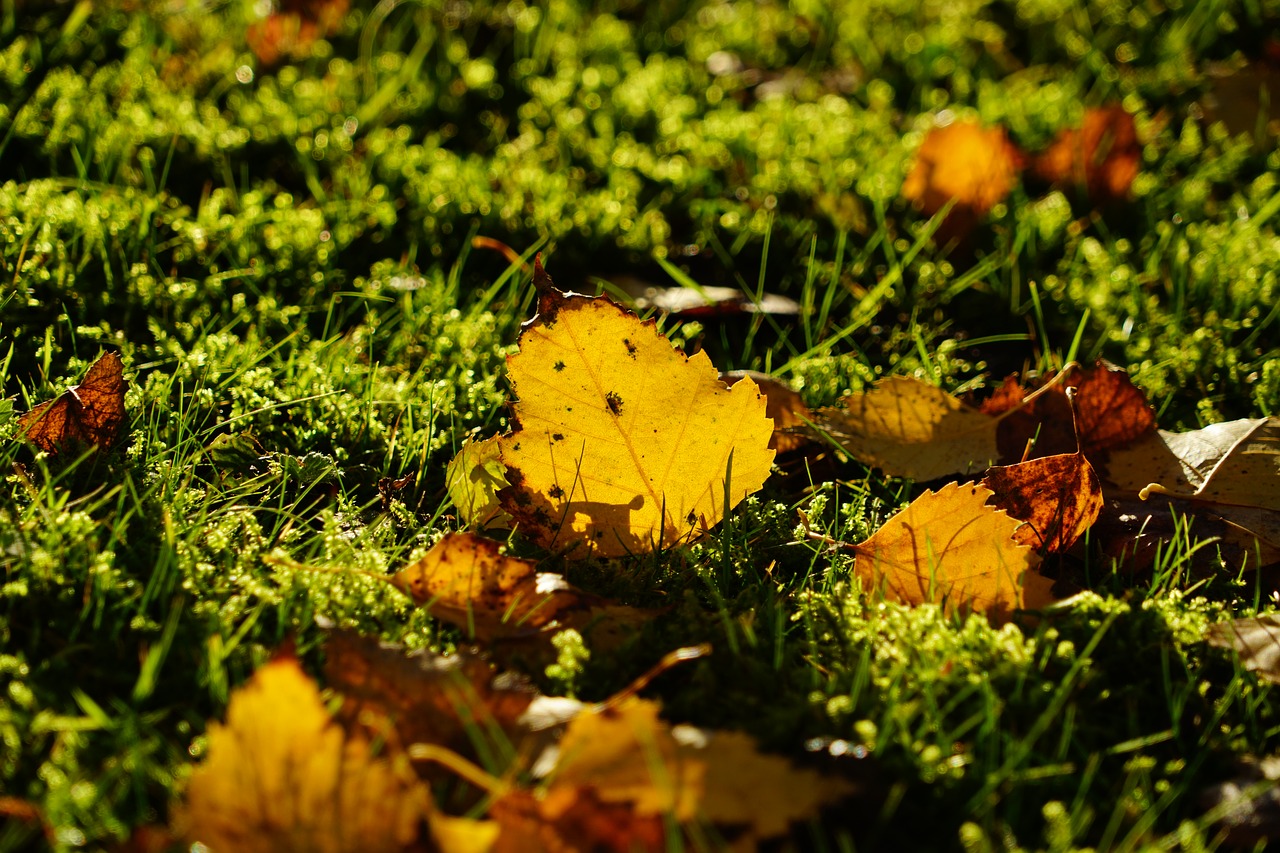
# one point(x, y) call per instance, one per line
point(950, 547)
point(963, 162)
point(909, 428)
point(623, 443)
point(280, 775)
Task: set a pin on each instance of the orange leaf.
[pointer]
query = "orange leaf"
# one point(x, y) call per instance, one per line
point(974, 166)
point(1058, 498)
point(909, 428)
point(88, 414)
point(1103, 156)
point(949, 547)
point(467, 580)
point(623, 444)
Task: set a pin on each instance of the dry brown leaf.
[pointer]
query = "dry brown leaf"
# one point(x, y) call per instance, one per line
point(86, 415)
point(974, 166)
point(473, 479)
point(623, 444)
point(949, 547)
point(430, 698)
point(1110, 412)
point(280, 775)
point(1236, 463)
point(467, 581)
point(1136, 532)
point(1255, 640)
point(1102, 156)
point(784, 407)
point(701, 301)
point(909, 428)
point(292, 27)
point(1057, 497)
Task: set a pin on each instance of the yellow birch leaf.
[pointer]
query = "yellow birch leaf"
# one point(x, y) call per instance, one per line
point(909, 428)
point(280, 775)
point(623, 443)
point(473, 479)
point(949, 547)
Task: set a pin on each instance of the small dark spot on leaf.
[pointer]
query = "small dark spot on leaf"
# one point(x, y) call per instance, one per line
point(692, 518)
point(631, 348)
point(614, 401)
point(558, 366)
point(557, 436)
point(556, 492)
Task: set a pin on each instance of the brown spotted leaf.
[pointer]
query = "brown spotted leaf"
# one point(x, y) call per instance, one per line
point(86, 415)
point(950, 547)
point(1056, 497)
point(623, 444)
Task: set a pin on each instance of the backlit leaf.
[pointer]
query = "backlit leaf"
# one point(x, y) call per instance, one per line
point(1057, 497)
point(949, 547)
point(623, 444)
point(973, 166)
point(1102, 156)
point(473, 479)
point(86, 415)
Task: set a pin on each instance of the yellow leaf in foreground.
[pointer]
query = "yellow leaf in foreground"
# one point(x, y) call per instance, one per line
point(950, 547)
point(622, 771)
point(624, 444)
point(909, 428)
point(282, 776)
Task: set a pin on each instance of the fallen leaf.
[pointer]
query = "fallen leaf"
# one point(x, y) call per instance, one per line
point(1136, 532)
point(909, 428)
point(950, 547)
point(85, 415)
point(280, 775)
point(473, 479)
point(623, 444)
point(1255, 640)
point(1109, 413)
point(467, 581)
point(1102, 156)
point(1235, 463)
point(621, 770)
point(1057, 498)
point(783, 406)
point(963, 162)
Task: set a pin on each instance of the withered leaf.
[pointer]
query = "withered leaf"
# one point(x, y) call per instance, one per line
point(909, 428)
point(466, 580)
point(701, 301)
point(85, 415)
point(1235, 463)
point(1057, 497)
point(623, 444)
point(1255, 640)
point(1109, 412)
point(1236, 539)
point(293, 27)
point(950, 547)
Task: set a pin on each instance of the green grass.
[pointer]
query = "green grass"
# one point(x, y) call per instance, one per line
point(283, 257)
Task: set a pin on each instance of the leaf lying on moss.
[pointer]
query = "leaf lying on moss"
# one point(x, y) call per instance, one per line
point(909, 428)
point(86, 415)
point(964, 163)
point(950, 547)
point(624, 444)
point(473, 479)
point(467, 581)
point(1057, 497)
